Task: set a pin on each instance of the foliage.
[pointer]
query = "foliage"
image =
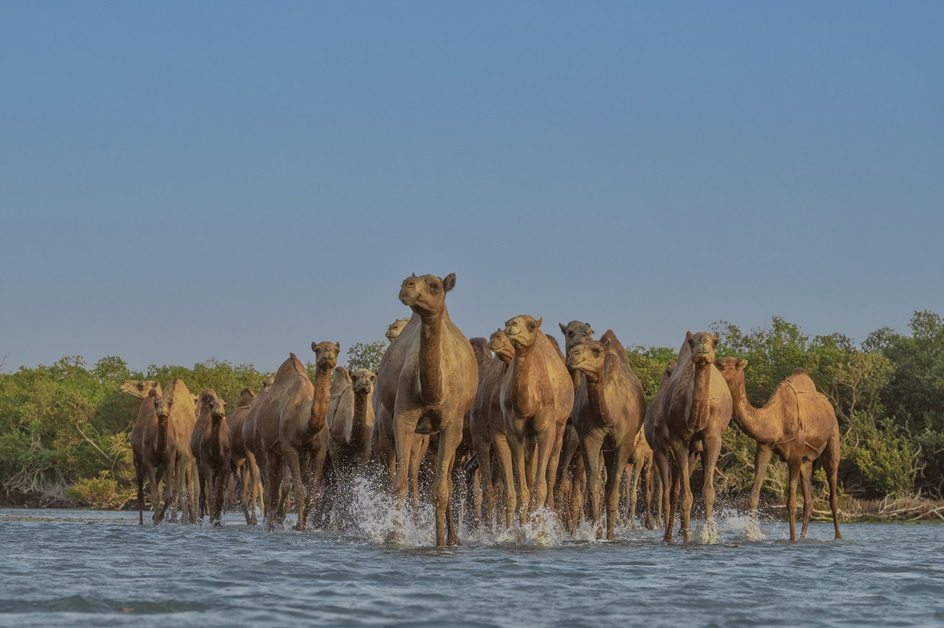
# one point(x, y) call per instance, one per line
point(100, 492)
point(365, 356)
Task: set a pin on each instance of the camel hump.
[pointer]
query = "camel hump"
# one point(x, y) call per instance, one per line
point(801, 381)
point(612, 343)
point(292, 364)
point(556, 346)
point(341, 381)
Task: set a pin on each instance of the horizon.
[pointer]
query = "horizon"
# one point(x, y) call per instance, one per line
point(176, 177)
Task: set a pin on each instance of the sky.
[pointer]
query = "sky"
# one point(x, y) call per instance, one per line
point(182, 181)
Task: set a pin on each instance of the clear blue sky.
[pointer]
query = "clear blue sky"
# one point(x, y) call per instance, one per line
point(181, 181)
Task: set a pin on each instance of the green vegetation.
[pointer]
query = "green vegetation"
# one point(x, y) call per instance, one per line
point(64, 428)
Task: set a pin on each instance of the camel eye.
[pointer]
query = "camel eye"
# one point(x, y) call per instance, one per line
point(570, 334)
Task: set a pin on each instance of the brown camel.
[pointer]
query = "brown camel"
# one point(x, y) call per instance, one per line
point(487, 424)
point(184, 416)
point(427, 381)
point(154, 450)
point(203, 402)
point(609, 408)
point(215, 452)
point(693, 411)
point(255, 452)
point(350, 420)
point(572, 491)
point(245, 474)
point(290, 422)
point(385, 447)
point(799, 425)
point(537, 396)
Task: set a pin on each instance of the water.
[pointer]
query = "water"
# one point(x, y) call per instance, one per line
point(67, 567)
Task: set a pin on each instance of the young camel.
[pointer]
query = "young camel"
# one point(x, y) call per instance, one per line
point(427, 381)
point(215, 451)
point(609, 408)
point(799, 425)
point(154, 451)
point(350, 420)
point(689, 416)
point(537, 396)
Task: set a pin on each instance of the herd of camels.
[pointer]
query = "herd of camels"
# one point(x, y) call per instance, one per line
point(542, 428)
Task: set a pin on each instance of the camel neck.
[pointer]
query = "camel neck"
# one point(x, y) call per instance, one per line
point(701, 403)
point(359, 421)
point(319, 405)
point(596, 394)
point(521, 365)
point(750, 419)
point(161, 444)
point(430, 364)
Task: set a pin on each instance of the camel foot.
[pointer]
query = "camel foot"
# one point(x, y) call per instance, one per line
point(253, 521)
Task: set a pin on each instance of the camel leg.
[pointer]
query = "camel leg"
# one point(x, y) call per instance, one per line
point(709, 460)
point(273, 490)
point(139, 480)
point(449, 439)
point(569, 447)
point(831, 464)
point(684, 473)
point(647, 476)
point(170, 493)
point(578, 499)
point(153, 479)
point(634, 471)
point(503, 449)
point(552, 465)
point(315, 465)
point(806, 477)
point(244, 473)
point(483, 452)
point(662, 461)
point(517, 448)
point(761, 457)
point(794, 468)
point(614, 479)
point(547, 443)
point(405, 437)
point(591, 459)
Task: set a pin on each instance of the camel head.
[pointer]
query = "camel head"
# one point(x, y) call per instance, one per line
point(426, 295)
point(732, 369)
point(394, 329)
point(326, 355)
point(587, 357)
point(703, 345)
point(363, 381)
point(246, 397)
point(161, 406)
point(140, 388)
point(575, 333)
point(267, 383)
point(499, 344)
point(522, 330)
point(669, 369)
point(217, 410)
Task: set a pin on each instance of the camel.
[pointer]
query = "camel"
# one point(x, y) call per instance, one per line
point(154, 450)
point(573, 489)
point(203, 402)
point(427, 382)
point(609, 408)
point(215, 452)
point(394, 329)
point(385, 447)
point(537, 396)
point(291, 424)
point(688, 416)
point(640, 466)
point(184, 417)
point(239, 455)
point(798, 424)
point(350, 419)
point(487, 424)
point(255, 453)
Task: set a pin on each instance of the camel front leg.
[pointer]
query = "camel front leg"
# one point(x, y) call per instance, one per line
point(761, 457)
point(139, 481)
point(404, 436)
point(449, 439)
point(684, 473)
point(547, 441)
point(153, 479)
point(831, 464)
point(806, 475)
point(709, 461)
point(273, 492)
point(614, 479)
point(315, 484)
point(503, 451)
point(552, 465)
point(591, 460)
point(517, 448)
point(794, 468)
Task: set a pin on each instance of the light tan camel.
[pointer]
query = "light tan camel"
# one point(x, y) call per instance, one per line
point(291, 422)
point(385, 447)
point(609, 409)
point(350, 420)
point(215, 452)
point(245, 474)
point(799, 425)
point(693, 411)
point(184, 416)
point(427, 380)
point(537, 396)
point(154, 451)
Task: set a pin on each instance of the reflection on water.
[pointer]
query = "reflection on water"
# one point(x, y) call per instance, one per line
point(82, 567)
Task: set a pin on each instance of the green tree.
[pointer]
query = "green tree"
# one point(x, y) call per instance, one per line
point(365, 356)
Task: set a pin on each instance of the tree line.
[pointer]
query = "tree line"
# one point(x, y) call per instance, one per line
point(64, 428)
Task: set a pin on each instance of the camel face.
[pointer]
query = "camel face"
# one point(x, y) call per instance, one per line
point(587, 357)
point(140, 388)
point(162, 408)
point(499, 344)
point(575, 333)
point(363, 381)
point(267, 383)
point(217, 410)
point(732, 369)
point(326, 354)
point(394, 329)
point(522, 330)
point(703, 346)
point(426, 295)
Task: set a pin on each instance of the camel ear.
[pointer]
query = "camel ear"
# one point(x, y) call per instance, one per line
point(689, 336)
point(337, 346)
point(605, 342)
point(717, 338)
point(313, 345)
point(563, 329)
point(449, 282)
point(538, 322)
point(741, 364)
